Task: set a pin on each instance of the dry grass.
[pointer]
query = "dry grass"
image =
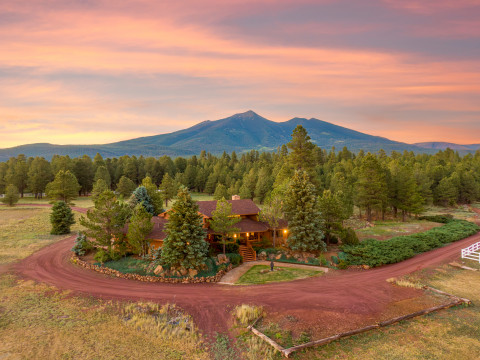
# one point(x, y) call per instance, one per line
point(246, 314)
point(24, 230)
point(85, 202)
point(37, 322)
point(383, 230)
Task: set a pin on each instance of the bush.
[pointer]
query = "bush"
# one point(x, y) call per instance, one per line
point(269, 251)
point(322, 260)
point(61, 218)
point(235, 259)
point(82, 245)
point(373, 253)
point(232, 247)
point(444, 219)
point(349, 237)
point(313, 261)
point(333, 239)
point(246, 314)
point(102, 256)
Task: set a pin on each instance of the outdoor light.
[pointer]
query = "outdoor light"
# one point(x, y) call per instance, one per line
point(234, 235)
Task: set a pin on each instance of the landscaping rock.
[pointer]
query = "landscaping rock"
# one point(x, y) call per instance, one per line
point(262, 255)
point(365, 267)
point(278, 257)
point(158, 270)
point(222, 259)
point(192, 272)
point(183, 271)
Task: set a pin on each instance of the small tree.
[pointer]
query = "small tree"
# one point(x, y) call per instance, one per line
point(303, 214)
point(155, 196)
point(106, 222)
point(64, 187)
point(140, 196)
point(185, 243)
point(11, 195)
point(139, 227)
point(220, 192)
point(223, 222)
point(272, 213)
point(61, 218)
point(125, 186)
point(332, 214)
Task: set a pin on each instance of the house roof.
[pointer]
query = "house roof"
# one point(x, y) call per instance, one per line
point(239, 207)
point(158, 232)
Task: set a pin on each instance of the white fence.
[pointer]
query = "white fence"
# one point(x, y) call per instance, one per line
point(472, 252)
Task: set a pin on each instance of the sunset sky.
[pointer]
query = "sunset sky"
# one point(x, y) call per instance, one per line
point(98, 71)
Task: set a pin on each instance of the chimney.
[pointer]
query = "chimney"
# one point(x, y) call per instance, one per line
point(235, 197)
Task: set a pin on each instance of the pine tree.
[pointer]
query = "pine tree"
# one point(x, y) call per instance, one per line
point(140, 196)
point(331, 208)
point(371, 186)
point(220, 192)
point(106, 222)
point(64, 187)
point(301, 155)
point(140, 225)
point(303, 214)
point(223, 222)
point(185, 243)
point(99, 187)
point(61, 218)
point(125, 187)
point(169, 188)
point(154, 194)
point(102, 173)
point(83, 171)
point(11, 195)
point(39, 175)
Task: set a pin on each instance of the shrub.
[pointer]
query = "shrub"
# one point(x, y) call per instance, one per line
point(349, 237)
point(444, 219)
point(269, 251)
point(313, 261)
point(11, 195)
point(102, 256)
point(232, 247)
point(61, 218)
point(235, 259)
point(334, 260)
point(322, 260)
point(333, 240)
point(246, 314)
point(82, 245)
point(376, 253)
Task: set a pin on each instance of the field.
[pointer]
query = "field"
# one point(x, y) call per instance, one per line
point(37, 322)
point(24, 230)
point(383, 230)
point(85, 202)
point(261, 274)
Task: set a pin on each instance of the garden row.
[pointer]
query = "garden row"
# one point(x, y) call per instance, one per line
point(374, 253)
point(150, 278)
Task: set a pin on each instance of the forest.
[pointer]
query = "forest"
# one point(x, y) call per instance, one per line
point(376, 185)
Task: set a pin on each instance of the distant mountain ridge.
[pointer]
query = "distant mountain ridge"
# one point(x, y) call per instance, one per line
point(444, 145)
point(240, 132)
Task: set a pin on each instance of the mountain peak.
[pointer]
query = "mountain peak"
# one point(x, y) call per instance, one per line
point(247, 115)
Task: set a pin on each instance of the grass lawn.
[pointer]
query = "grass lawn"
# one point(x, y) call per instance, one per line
point(37, 322)
point(387, 229)
point(254, 275)
point(85, 202)
point(24, 230)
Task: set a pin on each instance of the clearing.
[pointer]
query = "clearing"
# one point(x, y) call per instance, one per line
point(261, 274)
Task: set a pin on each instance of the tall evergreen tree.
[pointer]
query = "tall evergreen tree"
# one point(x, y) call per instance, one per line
point(220, 192)
point(39, 175)
point(61, 218)
point(140, 196)
point(303, 215)
point(102, 173)
point(272, 213)
point(301, 156)
point(169, 188)
point(99, 187)
point(332, 213)
point(185, 243)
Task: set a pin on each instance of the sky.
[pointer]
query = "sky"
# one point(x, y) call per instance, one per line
point(99, 71)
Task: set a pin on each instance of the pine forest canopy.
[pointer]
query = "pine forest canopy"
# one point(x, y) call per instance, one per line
point(377, 183)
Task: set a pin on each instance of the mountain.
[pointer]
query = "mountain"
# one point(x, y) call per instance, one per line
point(240, 132)
point(443, 145)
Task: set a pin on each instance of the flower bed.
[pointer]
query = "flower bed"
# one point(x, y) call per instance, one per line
point(148, 278)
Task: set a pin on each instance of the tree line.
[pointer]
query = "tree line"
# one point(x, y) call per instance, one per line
point(399, 184)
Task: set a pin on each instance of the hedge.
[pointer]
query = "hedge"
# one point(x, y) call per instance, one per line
point(373, 252)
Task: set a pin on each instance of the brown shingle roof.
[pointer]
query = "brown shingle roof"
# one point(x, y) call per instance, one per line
point(157, 232)
point(239, 207)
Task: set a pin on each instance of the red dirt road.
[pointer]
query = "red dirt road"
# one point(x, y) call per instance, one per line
point(340, 295)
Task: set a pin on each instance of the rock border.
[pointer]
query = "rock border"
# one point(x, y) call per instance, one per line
point(148, 278)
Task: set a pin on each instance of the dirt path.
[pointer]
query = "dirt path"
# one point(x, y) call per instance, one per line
point(337, 296)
